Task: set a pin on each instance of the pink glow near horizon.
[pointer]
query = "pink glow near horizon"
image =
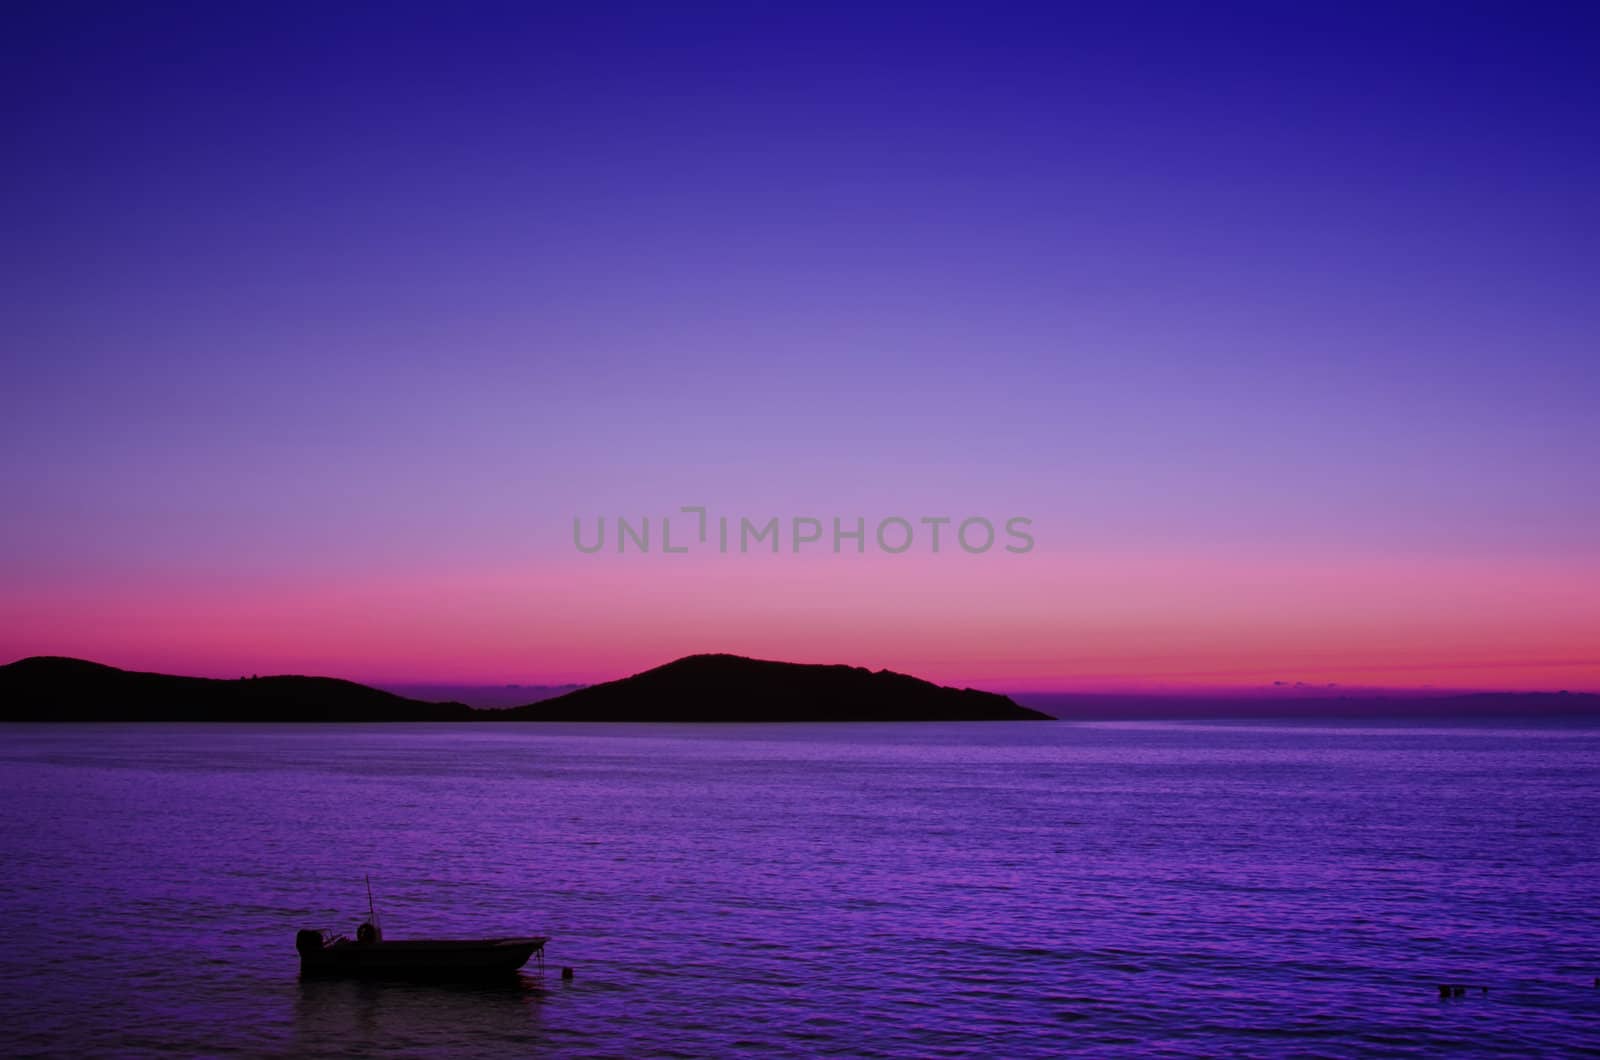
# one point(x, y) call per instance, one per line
point(1041, 622)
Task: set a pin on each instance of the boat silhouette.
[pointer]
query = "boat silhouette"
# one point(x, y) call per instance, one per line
point(324, 953)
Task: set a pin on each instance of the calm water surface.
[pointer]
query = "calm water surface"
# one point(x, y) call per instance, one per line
point(906, 891)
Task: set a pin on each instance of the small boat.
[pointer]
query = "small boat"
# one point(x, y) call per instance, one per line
point(325, 953)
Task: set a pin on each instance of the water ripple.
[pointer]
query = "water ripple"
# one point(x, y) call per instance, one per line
point(867, 891)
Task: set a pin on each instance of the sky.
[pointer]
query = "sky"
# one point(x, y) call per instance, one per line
point(322, 327)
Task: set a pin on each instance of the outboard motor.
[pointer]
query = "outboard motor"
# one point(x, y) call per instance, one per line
point(308, 942)
point(368, 932)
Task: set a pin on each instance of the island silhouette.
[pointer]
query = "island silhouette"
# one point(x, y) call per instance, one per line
point(53, 688)
point(710, 688)
point(698, 688)
point(723, 688)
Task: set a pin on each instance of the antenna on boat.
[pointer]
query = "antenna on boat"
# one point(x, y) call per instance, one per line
point(370, 931)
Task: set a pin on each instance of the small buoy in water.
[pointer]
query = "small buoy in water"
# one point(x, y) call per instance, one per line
point(566, 973)
point(1444, 989)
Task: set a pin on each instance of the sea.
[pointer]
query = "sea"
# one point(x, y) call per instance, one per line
point(1021, 889)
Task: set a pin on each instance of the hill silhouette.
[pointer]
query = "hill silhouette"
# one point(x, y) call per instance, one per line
point(52, 688)
point(732, 688)
point(723, 688)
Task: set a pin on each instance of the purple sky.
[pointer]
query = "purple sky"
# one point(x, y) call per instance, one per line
point(322, 327)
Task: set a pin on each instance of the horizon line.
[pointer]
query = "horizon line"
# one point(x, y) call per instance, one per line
point(1281, 690)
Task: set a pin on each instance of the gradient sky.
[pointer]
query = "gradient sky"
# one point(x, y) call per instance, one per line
point(321, 327)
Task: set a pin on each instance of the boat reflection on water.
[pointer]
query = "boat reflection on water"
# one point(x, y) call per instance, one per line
point(363, 1017)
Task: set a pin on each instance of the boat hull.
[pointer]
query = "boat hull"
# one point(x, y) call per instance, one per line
point(420, 958)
